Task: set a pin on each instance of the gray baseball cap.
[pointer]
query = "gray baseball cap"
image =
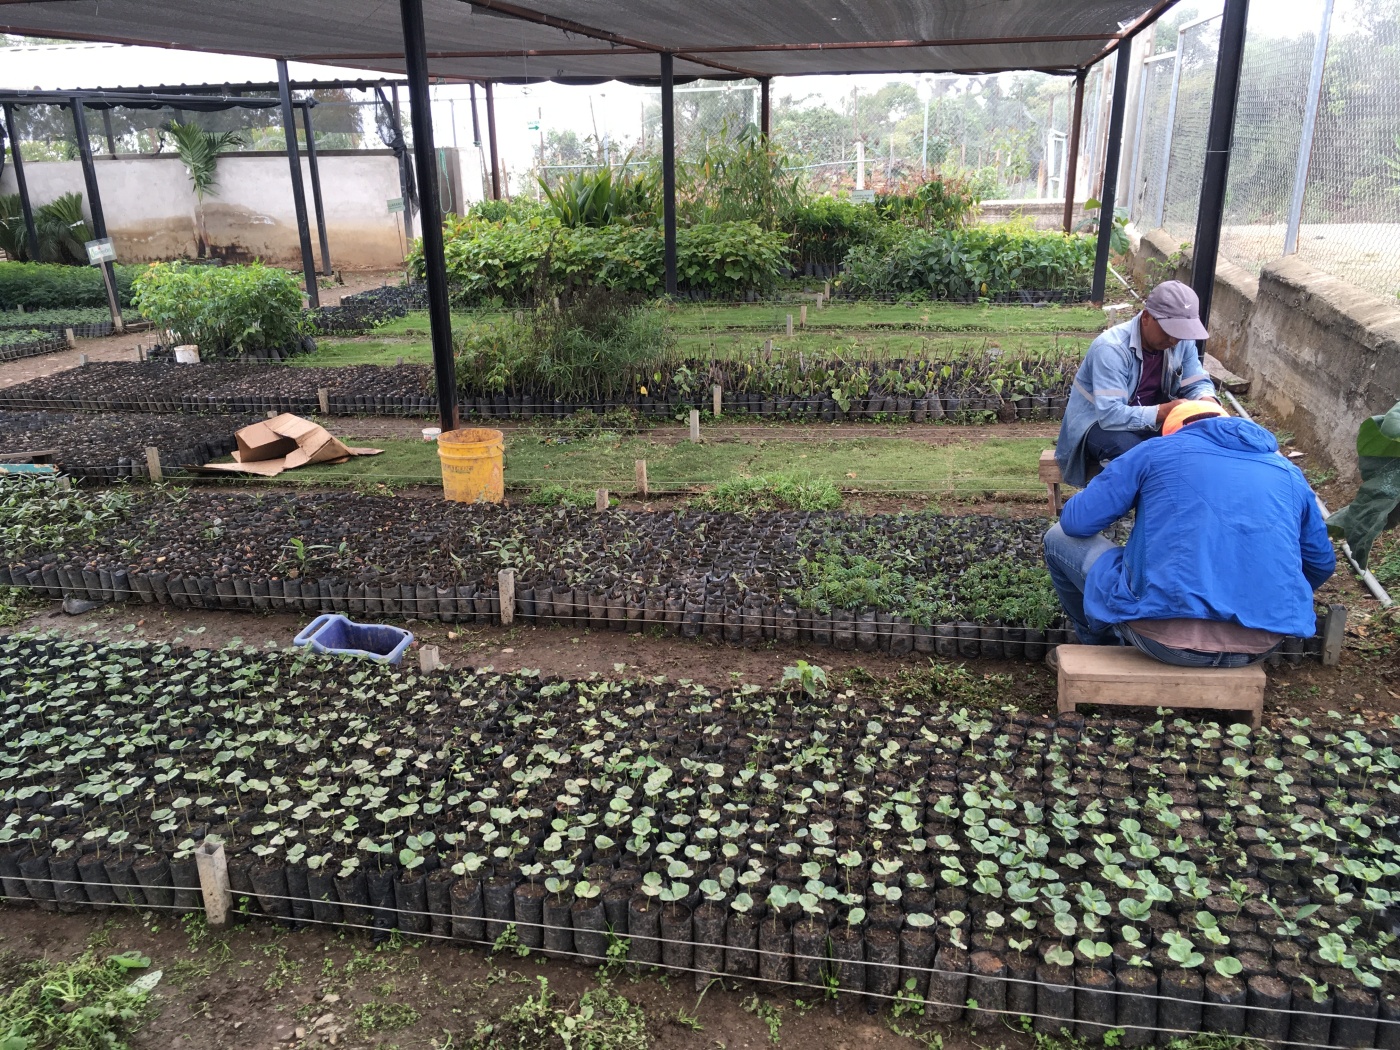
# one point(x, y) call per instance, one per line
point(1177, 310)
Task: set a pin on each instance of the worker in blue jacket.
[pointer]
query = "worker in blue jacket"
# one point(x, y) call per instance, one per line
point(1132, 376)
point(1227, 547)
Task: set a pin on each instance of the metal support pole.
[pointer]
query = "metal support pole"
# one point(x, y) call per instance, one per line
point(1300, 174)
point(1072, 161)
point(491, 136)
point(476, 121)
point(415, 50)
point(99, 220)
point(1218, 140)
point(107, 130)
point(765, 106)
point(403, 167)
point(22, 183)
point(289, 132)
point(1108, 196)
point(316, 202)
point(927, 99)
point(1137, 136)
point(668, 167)
point(1171, 128)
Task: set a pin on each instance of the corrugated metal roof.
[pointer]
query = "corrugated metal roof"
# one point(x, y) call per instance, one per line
point(601, 39)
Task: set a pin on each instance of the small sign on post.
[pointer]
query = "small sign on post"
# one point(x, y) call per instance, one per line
point(395, 205)
point(863, 196)
point(101, 252)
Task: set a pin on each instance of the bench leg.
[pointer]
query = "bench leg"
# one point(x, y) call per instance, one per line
point(1054, 491)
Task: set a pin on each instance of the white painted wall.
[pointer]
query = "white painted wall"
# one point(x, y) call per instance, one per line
point(150, 208)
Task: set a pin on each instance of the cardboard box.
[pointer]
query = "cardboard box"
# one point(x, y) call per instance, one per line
point(286, 442)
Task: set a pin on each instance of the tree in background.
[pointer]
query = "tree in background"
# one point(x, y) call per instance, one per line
point(200, 150)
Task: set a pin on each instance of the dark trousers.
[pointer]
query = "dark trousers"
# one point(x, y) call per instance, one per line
point(1103, 445)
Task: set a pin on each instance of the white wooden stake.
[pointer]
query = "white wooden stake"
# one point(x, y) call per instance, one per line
point(695, 425)
point(768, 347)
point(505, 584)
point(826, 289)
point(789, 326)
point(802, 315)
point(820, 300)
point(153, 464)
point(429, 659)
point(719, 399)
point(642, 489)
point(324, 395)
point(600, 499)
point(400, 361)
point(212, 865)
point(72, 341)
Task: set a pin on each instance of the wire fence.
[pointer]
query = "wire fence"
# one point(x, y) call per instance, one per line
point(1091, 1009)
point(1315, 161)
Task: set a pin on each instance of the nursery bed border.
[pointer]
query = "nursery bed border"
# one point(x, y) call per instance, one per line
point(865, 630)
point(35, 348)
point(851, 975)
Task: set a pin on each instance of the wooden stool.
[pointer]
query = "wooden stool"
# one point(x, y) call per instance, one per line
point(1050, 474)
point(1124, 676)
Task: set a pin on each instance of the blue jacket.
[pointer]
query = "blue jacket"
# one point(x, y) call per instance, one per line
point(1107, 381)
point(1226, 530)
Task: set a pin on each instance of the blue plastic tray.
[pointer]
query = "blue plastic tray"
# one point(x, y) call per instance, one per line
point(333, 633)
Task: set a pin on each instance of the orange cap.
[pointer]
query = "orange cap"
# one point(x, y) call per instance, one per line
point(1189, 412)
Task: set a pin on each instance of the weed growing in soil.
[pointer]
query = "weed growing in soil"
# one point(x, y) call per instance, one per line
point(86, 1004)
point(562, 496)
point(770, 492)
point(379, 1016)
point(949, 683)
point(601, 1020)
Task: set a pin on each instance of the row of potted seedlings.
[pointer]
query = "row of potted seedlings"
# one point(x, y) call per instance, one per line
point(15, 345)
point(1150, 876)
point(112, 446)
point(904, 583)
point(964, 391)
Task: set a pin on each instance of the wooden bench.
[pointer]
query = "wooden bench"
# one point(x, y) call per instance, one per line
point(1050, 474)
point(1123, 676)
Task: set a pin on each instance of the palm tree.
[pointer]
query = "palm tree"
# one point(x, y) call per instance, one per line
point(200, 150)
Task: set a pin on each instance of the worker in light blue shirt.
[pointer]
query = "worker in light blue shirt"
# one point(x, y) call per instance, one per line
point(1132, 377)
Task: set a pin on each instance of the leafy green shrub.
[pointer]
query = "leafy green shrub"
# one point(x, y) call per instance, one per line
point(509, 261)
point(979, 262)
point(227, 310)
point(939, 202)
point(36, 515)
point(824, 229)
point(745, 178)
point(49, 286)
point(592, 348)
point(517, 209)
point(773, 492)
point(561, 496)
point(600, 196)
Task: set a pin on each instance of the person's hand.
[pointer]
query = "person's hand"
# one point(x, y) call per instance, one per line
point(1163, 411)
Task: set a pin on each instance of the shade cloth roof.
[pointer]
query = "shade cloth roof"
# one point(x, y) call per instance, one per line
point(616, 39)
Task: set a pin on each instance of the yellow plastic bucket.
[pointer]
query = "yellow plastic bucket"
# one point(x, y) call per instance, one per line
point(472, 465)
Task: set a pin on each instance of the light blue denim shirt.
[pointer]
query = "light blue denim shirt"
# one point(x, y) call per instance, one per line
point(1106, 383)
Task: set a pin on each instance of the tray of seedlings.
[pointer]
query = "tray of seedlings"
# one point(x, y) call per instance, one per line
point(1159, 877)
point(160, 386)
point(15, 344)
point(364, 311)
point(969, 391)
point(108, 447)
point(905, 583)
point(86, 322)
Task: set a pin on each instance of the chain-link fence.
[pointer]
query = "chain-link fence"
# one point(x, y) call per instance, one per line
point(1315, 161)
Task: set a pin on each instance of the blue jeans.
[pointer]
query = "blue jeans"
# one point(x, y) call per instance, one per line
point(1069, 560)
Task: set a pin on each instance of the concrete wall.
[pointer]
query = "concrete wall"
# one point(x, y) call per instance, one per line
point(150, 208)
point(1320, 354)
point(1045, 214)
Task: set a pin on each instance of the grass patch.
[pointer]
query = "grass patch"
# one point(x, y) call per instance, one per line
point(600, 1020)
point(608, 460)
point(871, 329)
point(85, 1004)
point(16, 605)
point(774, 492)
